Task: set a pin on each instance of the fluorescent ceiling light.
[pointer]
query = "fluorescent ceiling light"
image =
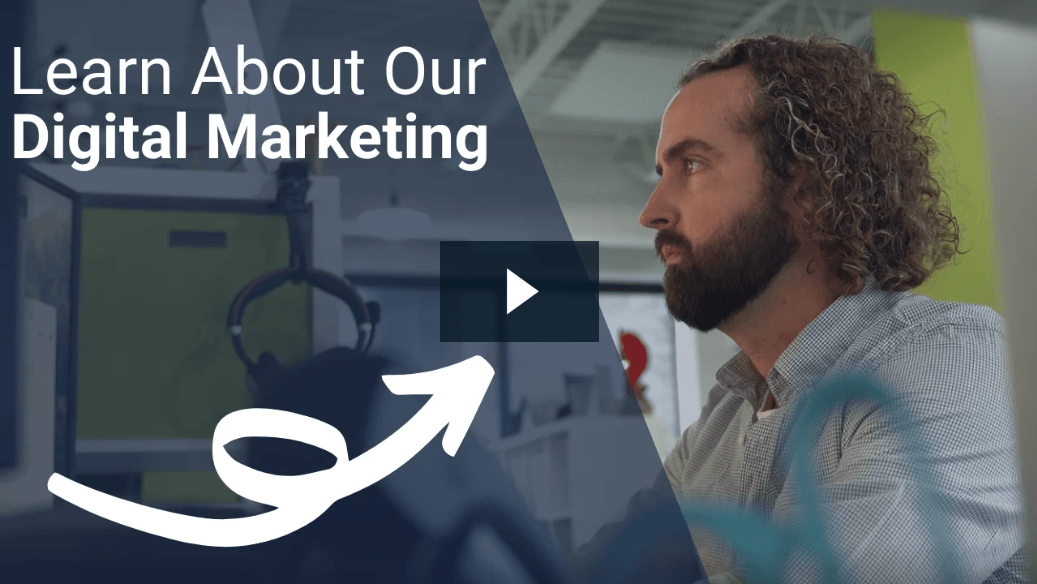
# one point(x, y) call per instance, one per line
point(394, 223)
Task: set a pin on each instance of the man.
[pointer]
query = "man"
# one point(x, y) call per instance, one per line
point(795, 211)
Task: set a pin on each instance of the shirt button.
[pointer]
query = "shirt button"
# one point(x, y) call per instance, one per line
point(741, 439)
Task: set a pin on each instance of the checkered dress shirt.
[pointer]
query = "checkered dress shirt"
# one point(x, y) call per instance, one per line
point(943, 361)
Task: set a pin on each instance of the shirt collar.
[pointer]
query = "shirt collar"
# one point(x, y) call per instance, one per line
point(812, 353)
point(740, 377)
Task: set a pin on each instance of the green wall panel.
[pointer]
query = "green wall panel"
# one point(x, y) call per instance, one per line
point(155, 359)
point(933, 58)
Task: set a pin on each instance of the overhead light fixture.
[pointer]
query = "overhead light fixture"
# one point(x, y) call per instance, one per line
point(394, 223)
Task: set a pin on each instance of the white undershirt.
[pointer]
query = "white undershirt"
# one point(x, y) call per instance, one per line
point(762, 415)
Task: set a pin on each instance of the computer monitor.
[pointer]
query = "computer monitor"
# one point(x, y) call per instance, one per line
point(8, 271)
point(157, 369)
point(12, 27)
point(45, 295)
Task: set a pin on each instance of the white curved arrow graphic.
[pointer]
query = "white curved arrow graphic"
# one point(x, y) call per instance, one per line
point(457, 391)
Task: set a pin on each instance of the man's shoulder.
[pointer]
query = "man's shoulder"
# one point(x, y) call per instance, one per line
point(925, 314)
point(928, 343)
point(915, 321)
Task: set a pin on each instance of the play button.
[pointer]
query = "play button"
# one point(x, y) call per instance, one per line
point(482, 284)
point(518, 291)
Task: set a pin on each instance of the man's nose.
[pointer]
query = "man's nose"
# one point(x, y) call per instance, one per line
point(659, 213)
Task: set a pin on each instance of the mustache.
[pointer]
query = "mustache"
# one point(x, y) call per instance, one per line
point(666, 237)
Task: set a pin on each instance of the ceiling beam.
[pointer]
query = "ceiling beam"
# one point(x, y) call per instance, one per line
point(826, 22)
point(501, 34)
point(759, 18)
point(857, 31)
point(580, 11)
point(507, 17)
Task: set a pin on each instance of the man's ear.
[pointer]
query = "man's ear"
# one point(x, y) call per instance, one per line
point(798, 205)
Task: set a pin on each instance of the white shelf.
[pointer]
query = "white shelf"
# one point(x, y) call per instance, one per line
point(568, 475)
point(132, 456)
point(563, 426)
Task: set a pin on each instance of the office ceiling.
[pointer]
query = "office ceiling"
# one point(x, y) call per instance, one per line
point(543, 63)
point(545, 44)
point(587, 72)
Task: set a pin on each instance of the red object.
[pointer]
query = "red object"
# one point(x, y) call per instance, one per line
point(633, 351)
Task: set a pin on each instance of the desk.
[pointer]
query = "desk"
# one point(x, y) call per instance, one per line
point(118, 467)
point(139, 456)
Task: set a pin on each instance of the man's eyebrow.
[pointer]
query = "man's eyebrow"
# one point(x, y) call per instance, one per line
point(684, 145)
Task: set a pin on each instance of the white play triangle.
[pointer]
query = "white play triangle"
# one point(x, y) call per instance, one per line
point(519, 291)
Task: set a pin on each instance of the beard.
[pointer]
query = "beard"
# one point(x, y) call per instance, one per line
point(719, 278)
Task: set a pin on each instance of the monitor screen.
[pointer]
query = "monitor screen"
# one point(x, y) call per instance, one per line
point(46, 297)
point(12, 26)
point(8, 359)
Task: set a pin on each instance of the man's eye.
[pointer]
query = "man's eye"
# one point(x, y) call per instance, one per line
point(692, 165)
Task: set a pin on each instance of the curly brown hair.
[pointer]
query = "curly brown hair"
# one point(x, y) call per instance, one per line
point(862, 150)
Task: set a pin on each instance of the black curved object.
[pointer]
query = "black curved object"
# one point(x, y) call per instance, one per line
point(364, 313)
point(293, 184)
